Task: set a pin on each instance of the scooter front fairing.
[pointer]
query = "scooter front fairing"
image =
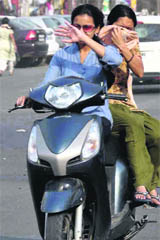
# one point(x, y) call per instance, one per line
point(57, 147)
point(60, 140)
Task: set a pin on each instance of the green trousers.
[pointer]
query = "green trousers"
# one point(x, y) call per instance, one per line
point(142, 139)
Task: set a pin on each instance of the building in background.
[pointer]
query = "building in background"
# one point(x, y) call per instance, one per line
point(153, 7)
point(24, 7)
point(148, 6)
point(15, 7)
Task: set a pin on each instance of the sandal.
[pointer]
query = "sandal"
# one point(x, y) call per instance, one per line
point(145, 200)
point(156, 198)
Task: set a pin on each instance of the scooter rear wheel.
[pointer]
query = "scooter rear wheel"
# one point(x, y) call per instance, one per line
point(59, 227)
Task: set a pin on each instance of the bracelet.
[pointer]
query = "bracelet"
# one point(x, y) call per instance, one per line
point(128, 61)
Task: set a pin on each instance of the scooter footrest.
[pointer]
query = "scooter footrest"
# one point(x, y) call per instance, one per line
point(138, 226)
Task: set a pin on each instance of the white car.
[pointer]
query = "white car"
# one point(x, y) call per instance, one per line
point(148, 29)
point(58, 20)
point(44, 22)
point(6, 16)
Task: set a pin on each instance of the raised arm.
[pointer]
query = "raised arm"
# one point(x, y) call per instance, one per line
point(134, 61)
point(72, 34)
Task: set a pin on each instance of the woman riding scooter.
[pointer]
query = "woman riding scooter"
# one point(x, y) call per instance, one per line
point(83, 60)
point(83, 57)
point(140, 130)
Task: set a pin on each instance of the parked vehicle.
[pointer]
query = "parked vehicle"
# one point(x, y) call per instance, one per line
point(148, 29)
point(45, 23)
point(30, 40)
point(58, 20)
point(80, 184)
point(62, 18)
point(51, 22)
point(9, 17)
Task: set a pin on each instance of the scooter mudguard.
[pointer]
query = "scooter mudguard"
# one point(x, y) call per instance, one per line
point(62, 194)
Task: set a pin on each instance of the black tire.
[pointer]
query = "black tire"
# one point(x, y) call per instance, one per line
point(59, 227)
point(48, 59)
point(17, 60)
point(38, 61)
point(25, 62)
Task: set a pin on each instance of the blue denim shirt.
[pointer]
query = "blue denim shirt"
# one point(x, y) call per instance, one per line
point(66, 62)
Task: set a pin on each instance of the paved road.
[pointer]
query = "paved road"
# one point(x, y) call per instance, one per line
point(17, 217)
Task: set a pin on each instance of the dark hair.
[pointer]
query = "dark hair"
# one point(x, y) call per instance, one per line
point(5, 20)
point(90, 10)
point(121, 10)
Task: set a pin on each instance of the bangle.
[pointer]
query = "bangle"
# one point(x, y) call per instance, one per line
point(128, 61)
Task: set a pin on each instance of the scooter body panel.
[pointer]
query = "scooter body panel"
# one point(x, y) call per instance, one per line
point(58, 131)
point(91, 90)
point(57, 154)
point(117, 176)
point(59, 142)
point(91, 172)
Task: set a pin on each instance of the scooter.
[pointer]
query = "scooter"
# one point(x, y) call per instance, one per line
point(79, 180)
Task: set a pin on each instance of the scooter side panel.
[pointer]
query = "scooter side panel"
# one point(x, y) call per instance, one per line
point(117, 172)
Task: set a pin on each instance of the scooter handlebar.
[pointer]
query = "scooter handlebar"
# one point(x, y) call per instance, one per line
point(29, 102)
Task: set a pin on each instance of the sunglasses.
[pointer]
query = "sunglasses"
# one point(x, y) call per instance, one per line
point(86, 28)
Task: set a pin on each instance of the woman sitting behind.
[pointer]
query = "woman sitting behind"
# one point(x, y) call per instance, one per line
point(140, 130)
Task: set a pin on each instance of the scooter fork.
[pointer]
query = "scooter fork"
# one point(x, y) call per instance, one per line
point(78, 222)
point(45, 230)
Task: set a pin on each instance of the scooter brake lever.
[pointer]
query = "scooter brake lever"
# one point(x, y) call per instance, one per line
point(27, 104)
point(16, 108)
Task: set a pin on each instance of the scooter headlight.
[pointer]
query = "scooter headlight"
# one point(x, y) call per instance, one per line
point(32, 148)
point(63, 96)
point(92, 144)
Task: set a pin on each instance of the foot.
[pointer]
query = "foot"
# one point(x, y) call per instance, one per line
point(155, 198)
point(141, 194)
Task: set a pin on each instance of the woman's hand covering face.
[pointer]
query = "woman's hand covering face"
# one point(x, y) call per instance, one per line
point(105, 34)
point(71, 32)
point(116, 35)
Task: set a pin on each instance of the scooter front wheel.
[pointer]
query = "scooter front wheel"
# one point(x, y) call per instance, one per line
point(59, 227)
